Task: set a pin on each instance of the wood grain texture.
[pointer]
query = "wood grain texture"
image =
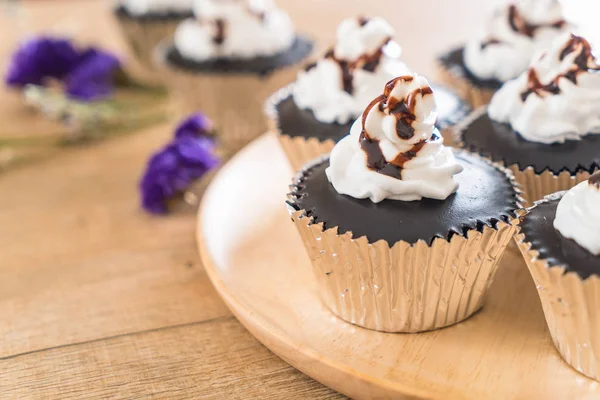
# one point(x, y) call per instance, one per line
point(98, 299)
point(212, 359)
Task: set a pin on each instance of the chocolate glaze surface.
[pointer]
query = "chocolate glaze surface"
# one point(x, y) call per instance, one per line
point(501, 143)
point(122, 12)
point(538, 227)
point(484, 197)
point(295, 122)
point(455, 63)
point(300, 49)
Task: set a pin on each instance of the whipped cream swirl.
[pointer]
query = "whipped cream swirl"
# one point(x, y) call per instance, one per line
point(514, 34)
point(578, 215)
point(144, 7)
point(234, 29)
point(394, 151)
point(557, 99)
point(338, 87)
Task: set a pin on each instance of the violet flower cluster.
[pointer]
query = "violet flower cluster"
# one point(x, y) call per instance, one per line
point(87, 74)
point(174, 168)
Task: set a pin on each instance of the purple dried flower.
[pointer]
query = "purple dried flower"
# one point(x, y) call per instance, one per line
point(196, 125)
point(41, 58)
point(173, 169)
point(93, 77)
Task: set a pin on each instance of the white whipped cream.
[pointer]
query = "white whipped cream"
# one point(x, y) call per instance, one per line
point(427, 167)
point(578, 216)
point(513, 35)
point(143, 7)
point(562, 95)
point(361, 43)
point(234, 29)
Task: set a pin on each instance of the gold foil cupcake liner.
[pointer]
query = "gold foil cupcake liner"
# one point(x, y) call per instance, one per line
point(143, 36)
point(407, 287)
point(477, 97)
point(300, 150)
point(234, 101)
point(572, 309)
point(534, 186)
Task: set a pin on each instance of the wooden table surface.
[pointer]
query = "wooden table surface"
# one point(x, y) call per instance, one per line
point(99, 299)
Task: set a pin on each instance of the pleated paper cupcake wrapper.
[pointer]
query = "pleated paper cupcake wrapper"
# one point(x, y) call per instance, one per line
point(534, 186)
point(572, 310)
point(477, 97)
point(301, 150)
point(234, 101)
point(143, 36)
point(406, 287)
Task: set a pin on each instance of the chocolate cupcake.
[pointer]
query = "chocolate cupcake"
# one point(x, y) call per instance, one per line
point(560, 241)
point(315, 112)
point(514, 34)
point(403, 235)
point(145, 23)
point(228, 60)
point(544, 125)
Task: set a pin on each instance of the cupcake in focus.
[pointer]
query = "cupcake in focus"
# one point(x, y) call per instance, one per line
point(545, 124)
point(228, 59)
point(145, 23)
point(404, 234)
point(514, 34)
point(560, 241)
point(316, 111)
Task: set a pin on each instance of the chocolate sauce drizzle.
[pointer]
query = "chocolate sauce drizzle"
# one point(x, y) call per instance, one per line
point(310, 66)
point(404, 111)
point(595, 180)
point(366, 62)
point(520, 25)
point(490, 42)
point(584, 62)
point(362, 20)
point(219, 37)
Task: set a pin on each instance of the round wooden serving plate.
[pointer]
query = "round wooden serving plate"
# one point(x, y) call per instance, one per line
point(256, 261)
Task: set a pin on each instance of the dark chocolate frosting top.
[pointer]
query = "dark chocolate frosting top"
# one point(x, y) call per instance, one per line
point(538, 228)
point(485, 196)
point(454, 62)
point(122, 12)
point(501, 143)
point(299, 50)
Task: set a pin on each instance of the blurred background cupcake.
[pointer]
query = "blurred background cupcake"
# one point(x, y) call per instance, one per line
point(560, 241)
point(228, 59)
point(404, 234)
point(512, 37)
point(545, 125)
point(315, 112)
point(146, 22)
